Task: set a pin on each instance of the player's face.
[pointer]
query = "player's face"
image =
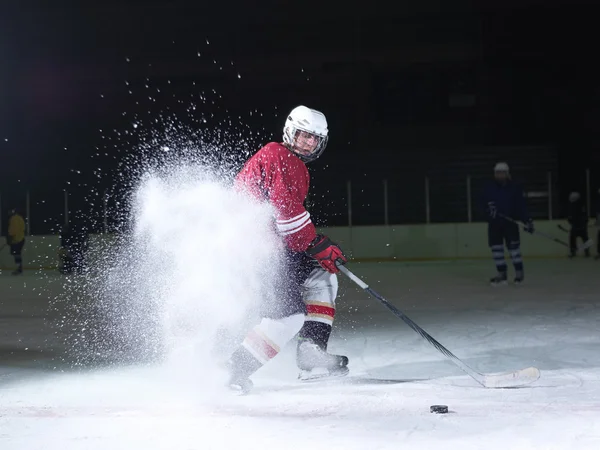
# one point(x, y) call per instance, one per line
point(501, 176)
point(305, 143)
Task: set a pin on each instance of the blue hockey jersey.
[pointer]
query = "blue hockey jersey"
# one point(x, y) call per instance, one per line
point(509, 201)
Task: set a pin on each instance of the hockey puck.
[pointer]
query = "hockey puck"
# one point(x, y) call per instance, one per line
point(438, 409)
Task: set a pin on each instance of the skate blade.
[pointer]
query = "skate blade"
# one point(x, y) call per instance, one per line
point(237, 390)
point(321, 374)
point(502, 283)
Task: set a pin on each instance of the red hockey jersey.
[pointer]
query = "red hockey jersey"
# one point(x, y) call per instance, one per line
point(276, 175)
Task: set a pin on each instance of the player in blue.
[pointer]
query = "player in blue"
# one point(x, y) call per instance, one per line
point(502, 197)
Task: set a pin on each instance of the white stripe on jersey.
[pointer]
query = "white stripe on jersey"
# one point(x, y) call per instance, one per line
point(293, 225)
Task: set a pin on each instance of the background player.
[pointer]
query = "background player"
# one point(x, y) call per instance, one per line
point(16, 238)
point(502, 197)
point(277, 173)
point(578, 219)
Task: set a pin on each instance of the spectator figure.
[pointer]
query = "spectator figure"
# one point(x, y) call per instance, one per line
point(16, 238)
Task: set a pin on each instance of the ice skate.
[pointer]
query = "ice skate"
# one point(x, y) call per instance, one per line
point(499, 280)
point(315, 363)
point(239, 385)
point(519, 277)
point(240, 366)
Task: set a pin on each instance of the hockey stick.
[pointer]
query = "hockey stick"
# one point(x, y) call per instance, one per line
point(585, 245)
point(566, 230)
point(500, 380)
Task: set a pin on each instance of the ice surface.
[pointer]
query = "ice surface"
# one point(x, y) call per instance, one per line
point(552, 322)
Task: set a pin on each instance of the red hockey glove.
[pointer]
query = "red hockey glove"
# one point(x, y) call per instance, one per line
point(327, 253)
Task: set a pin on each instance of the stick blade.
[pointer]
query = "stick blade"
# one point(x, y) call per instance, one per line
point(514, 379)
point(587, 244)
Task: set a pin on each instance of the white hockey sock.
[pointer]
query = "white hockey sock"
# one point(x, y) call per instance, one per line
point(266, 339)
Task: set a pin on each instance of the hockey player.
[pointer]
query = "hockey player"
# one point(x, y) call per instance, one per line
point(16, 238)
point(308, 284)
point(502, 197)
point(578, 219)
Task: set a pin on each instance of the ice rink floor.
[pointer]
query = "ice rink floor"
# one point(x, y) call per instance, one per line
point(552, 322)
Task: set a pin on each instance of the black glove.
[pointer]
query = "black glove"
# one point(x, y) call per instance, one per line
point(491, 209)
point(528, 226)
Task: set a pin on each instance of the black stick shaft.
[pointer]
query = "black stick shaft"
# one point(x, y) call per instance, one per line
point(539, 233)
point(408, 321)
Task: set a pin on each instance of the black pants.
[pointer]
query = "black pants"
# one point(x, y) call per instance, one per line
point(503, 234)
point(578, 232)
point(16, 250)
point(284, 294)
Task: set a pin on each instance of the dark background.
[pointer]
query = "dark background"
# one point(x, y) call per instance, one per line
point(415, 89)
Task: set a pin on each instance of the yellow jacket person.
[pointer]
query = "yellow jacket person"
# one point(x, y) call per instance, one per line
point(16, 238)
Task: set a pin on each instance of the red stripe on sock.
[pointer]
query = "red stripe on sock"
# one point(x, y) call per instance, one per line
point(324, 310)
point(260, 345)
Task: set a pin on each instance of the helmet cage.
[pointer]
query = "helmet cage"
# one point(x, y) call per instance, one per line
point(290, 135)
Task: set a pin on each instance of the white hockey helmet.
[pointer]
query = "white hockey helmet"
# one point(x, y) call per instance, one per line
point(305, 133)
point(501, 167)
point(574, 196)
